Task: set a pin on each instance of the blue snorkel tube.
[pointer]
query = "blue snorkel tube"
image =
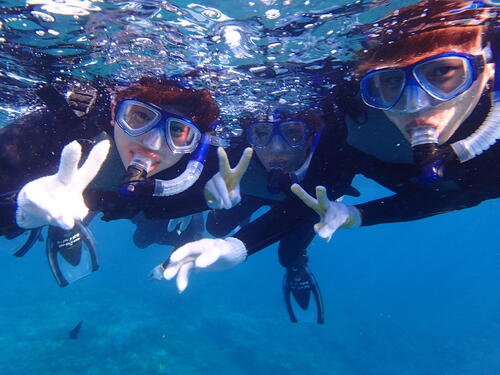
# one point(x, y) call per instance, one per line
point(166, 188)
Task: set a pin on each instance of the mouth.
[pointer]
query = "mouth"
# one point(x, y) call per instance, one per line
point(277, 164)
point(418, 123)
point(146, 154)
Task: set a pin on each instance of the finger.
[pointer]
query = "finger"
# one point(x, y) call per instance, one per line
point(222, 192)
point(183, 276)
point(171, 270)
point(242, 165)
point(184, 251)
point(68, 164)
point(93, 163)
point(326, 232)
point(66, 221)
point(209, 192)
point(224, 167)
point(308, 200)
point(185, 221)
point(207, 258)
point(323, 200)
point(172, 223)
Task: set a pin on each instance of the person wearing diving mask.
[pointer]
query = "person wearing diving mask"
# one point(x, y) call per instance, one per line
point(284, 144)
point(437, 80)
point(160, 129)
point(307, 147)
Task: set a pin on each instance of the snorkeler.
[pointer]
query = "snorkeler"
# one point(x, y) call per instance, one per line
point(326, 157)
point(159, 128)
point(437, 79)
point(284, 144)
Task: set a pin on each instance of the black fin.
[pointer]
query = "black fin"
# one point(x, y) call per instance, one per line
point(300, 283)
point(73, 334)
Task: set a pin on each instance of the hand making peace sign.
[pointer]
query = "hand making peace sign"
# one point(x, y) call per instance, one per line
point(222, 191)
point(58, 199)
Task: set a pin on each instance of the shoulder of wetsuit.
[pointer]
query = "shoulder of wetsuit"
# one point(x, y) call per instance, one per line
point(86, 108)
point(30, 148)
point(98, 115)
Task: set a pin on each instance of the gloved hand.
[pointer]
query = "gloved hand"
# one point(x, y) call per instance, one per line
point(57, 199)
point(182, 222)
point(222, 191)
point(333, 215)
point(208, 254)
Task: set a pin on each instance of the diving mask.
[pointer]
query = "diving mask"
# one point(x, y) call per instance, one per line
point(136, 118)
point(422, 85)
point(294, 132)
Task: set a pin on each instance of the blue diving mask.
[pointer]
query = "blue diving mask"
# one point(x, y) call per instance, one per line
point(422, 85)
point(294, 132)
point(136, 118)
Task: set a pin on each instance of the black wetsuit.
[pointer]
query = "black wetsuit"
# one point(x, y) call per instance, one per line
point(333, 165)
point(292, 249)
point(464, 184)
point(30, 148)
point(384, 156)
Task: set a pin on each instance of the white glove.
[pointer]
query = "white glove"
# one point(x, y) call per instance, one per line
point(333, 215)
point(222, 191)
point(57, 199)
point(208, 254)
point(182, 222)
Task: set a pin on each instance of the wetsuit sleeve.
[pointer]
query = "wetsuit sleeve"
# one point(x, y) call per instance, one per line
point(283, 218)
point(8, 214)
point(221, 222)
point(419, 204)
point(474, 181)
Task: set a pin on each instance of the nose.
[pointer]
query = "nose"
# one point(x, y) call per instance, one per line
point(414, 99)
point(152, 139)
point(277, 144)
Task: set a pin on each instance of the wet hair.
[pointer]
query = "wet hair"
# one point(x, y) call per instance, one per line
point(199, 105)
point(411, 32)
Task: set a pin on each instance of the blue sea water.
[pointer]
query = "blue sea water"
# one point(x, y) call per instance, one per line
point(417, 298)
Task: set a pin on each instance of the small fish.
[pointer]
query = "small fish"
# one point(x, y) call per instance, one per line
point(73, 334)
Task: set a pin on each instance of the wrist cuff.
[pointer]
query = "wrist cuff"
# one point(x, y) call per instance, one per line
point(239, 253)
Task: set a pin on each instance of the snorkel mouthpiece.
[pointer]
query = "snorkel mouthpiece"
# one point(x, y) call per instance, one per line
point(424, 142)
point(135, 180)
point(276, 179)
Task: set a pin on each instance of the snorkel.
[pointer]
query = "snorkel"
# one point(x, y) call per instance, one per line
point(489, 131)
point(166, 188)
point(136, 182)
point(277, 179)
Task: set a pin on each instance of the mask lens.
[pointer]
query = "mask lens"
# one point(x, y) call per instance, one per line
point(260, 133)
point(445, 77)
point(294, 132)
point(382, 89)
point(137, 116)
point(181, 133)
